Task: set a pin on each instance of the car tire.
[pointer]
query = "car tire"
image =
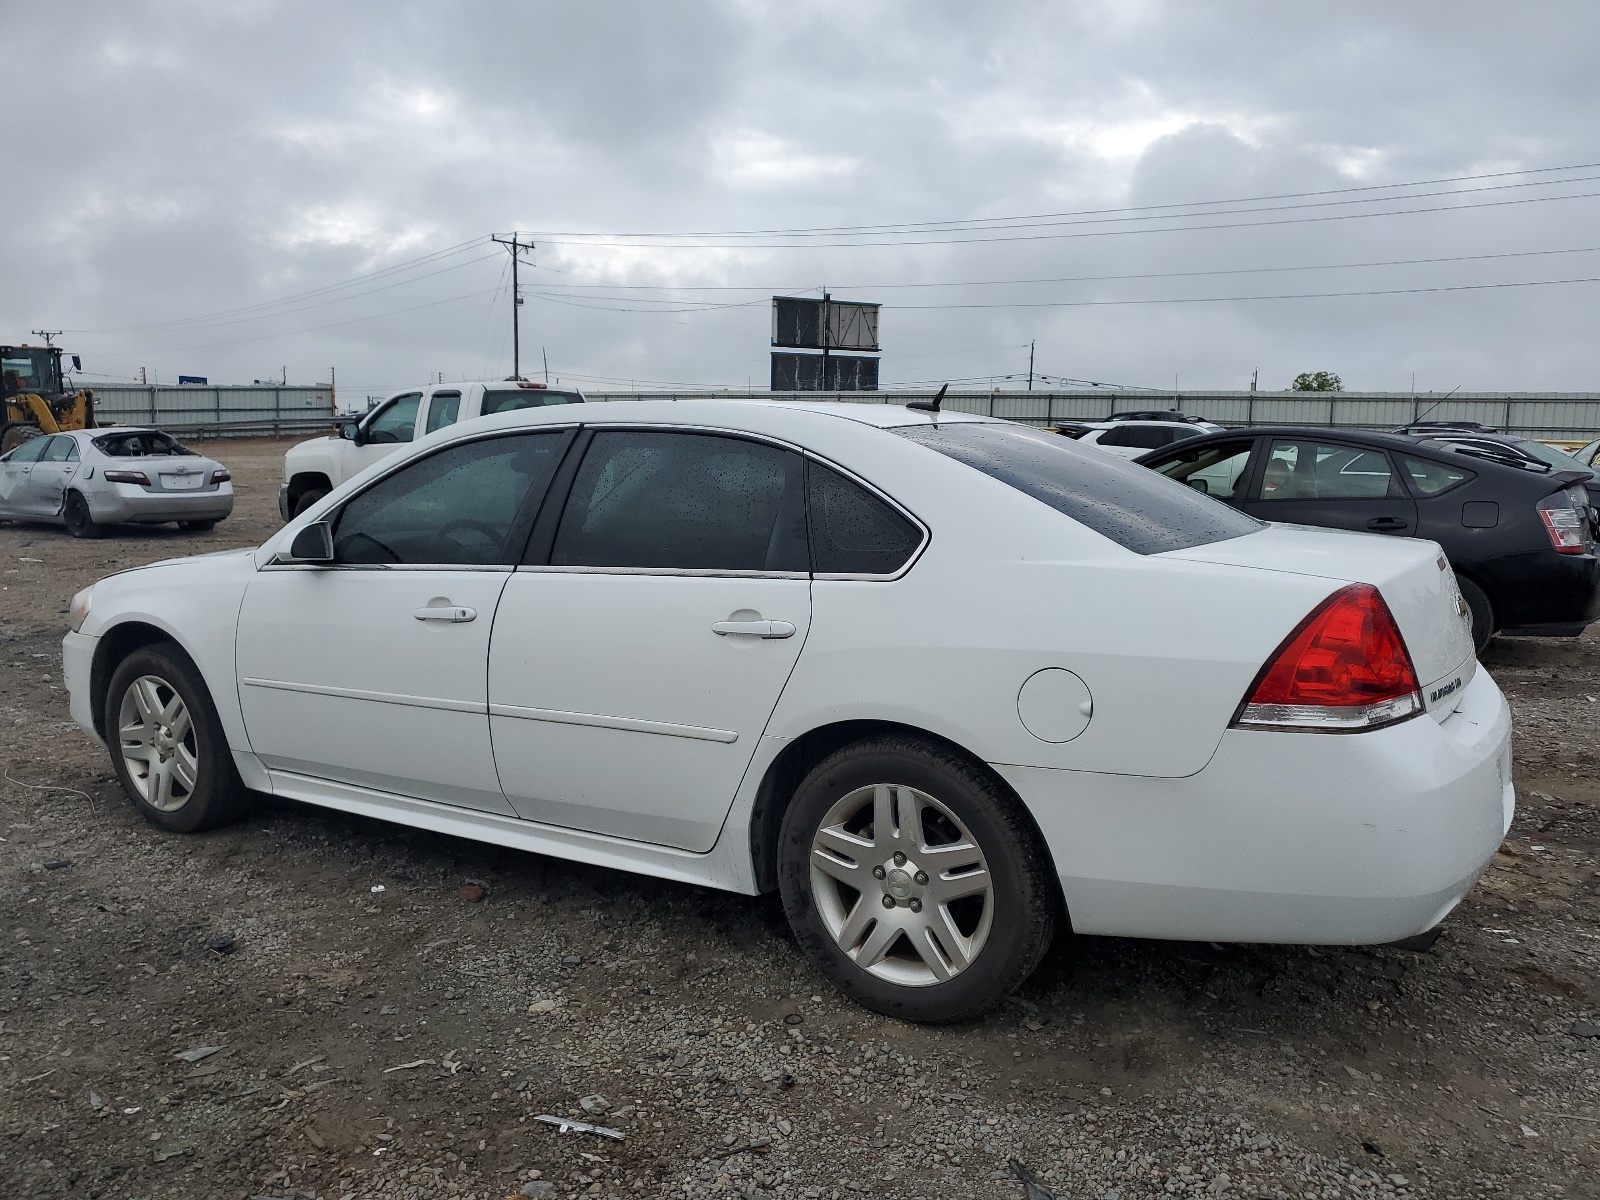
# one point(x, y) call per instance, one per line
point(307, 499)
point(79, 520)
point(167, 744)
point(197, 526)
point(1482, 611)
point(934, 945)
point(15, 433)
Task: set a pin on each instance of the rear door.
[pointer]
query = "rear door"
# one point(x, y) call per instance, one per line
point(636, 660)
point(1317, 480)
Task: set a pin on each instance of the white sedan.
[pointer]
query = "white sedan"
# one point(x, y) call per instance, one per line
point(91, 478)
point(945, 682)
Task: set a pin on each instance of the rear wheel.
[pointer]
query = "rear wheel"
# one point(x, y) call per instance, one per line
point(307, 499)
point(167, 743)
point(1482, 613)
point(914, 881)
point(80, 522)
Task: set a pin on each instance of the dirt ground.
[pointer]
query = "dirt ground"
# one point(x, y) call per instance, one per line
point(382, 1031)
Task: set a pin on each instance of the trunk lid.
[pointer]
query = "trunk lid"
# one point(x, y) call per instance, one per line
point(1414, 577)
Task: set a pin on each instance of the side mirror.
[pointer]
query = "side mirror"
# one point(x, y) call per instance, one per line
point(77, 363)
point(1200, 485)
point(313, 544)
point(350, 431)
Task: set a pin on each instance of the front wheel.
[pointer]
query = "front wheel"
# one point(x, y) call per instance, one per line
point(167, 743)
point(914, 881)
point(80, 522)
point(307, 499)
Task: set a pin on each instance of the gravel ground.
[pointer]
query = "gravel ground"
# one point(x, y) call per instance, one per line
point(390, 1010)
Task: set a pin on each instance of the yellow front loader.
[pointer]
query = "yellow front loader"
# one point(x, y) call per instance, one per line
point(34, 398)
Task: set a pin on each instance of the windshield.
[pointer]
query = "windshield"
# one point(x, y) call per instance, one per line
point(26, 370)
point(144, 443)
point(1135, 507)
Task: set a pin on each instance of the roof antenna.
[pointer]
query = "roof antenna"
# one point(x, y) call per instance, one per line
point(931, 405)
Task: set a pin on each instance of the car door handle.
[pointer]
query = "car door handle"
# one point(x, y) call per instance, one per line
point(452, 613)
point(760, 629)
point(1386, 523)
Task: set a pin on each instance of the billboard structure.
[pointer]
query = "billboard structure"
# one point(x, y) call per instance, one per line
point(801, 324)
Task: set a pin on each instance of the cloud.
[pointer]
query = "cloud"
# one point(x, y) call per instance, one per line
point(214, 156)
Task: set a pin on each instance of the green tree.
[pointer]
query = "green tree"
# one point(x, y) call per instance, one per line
point(1317, 381)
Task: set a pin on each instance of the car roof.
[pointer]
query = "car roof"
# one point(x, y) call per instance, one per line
point(699, 410)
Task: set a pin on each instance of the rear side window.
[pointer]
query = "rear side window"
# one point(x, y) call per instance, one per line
point(511, 401)
point(1431, 478)
point(1143, 437)
point(852, 531)
point(684, 501)
point(1138, 509)
point(442, 410)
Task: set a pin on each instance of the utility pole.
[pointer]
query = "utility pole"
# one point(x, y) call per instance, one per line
point(49, 336)
point(1253, 377)
point(827, 300)
point(1030, 366)
point(516, 247)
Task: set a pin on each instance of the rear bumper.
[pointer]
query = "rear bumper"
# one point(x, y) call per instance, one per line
point(131, 503)
point(1287, 837)
point(1545, 590)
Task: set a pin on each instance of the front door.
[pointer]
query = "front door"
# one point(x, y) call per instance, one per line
point(1316, 481)
point(17, 498)
point(371, 671)
point(636, 661)
point(390, 427)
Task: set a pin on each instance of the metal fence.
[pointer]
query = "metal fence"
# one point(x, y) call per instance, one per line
point(217, 411)
point(1554, 416)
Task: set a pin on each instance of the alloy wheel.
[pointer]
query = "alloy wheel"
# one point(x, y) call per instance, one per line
point(901, 885)
point(158, 744)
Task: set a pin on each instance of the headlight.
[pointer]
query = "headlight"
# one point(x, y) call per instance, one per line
point(78, 610)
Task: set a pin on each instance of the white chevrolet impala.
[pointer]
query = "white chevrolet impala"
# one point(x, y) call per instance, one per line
point(945, 682)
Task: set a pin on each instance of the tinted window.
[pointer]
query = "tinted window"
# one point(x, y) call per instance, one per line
point(1138, 509)
point(510, 401)
point(1306, 469)
point(61, 449)
point(456, 507)
point(29, 451)
point(397, 423)
point(1146, 437)
point(1214, 470)
point(688, 501)
point(1431, 478)
point(852, 531)
point(442, 410)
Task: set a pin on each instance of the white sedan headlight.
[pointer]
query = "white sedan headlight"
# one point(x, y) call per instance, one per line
point(78, 610)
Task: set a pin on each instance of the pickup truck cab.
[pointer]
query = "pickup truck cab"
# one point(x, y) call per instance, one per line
point(314, 468)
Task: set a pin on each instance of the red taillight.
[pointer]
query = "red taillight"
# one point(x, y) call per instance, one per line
point(523, 383)
point(1566, 519)
point(126, 477)
point(220, 477)
point(1344, 669)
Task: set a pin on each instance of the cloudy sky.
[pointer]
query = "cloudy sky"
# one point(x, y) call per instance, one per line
point(1147, 190)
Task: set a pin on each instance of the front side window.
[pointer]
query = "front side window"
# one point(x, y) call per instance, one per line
point(442, 410)
point(458, 507)
point(1134, 507)
point(397, 422)
point(1307, 469)
point(1430, 478)
point(29, 451)
point(1215, 470)
point(853, 532)
point(684, 501)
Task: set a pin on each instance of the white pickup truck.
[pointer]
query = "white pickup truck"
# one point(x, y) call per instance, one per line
point(314, 468)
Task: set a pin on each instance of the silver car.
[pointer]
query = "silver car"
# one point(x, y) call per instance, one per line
point(92, 478)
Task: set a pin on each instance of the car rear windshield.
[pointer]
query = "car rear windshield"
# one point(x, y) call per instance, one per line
point(1133, 506)
point(138, 445)
point(507, 400)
